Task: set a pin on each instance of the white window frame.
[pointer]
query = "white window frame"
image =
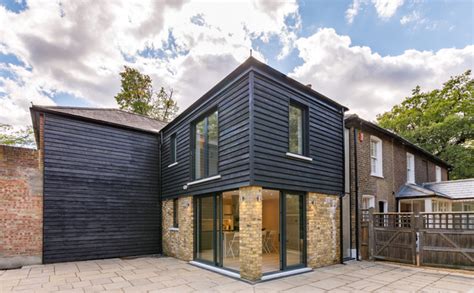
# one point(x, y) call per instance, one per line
point(438, 174)
point(371, 200)
point(378, 156)
point(410, 168)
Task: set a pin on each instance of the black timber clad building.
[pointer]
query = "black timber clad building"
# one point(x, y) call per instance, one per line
point(107, 172)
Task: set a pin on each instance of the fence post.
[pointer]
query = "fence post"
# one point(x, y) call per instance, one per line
point(415, 224)
point(371, 234)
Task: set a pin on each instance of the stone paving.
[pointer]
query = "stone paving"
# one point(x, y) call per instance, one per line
point(148, 274)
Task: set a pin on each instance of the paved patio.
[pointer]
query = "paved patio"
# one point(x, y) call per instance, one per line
point(165, 274)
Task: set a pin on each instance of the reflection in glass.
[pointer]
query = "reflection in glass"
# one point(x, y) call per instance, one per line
point(294, 229)
point(296, 130)
point(205, 228)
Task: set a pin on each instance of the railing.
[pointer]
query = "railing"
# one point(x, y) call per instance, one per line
point(448, 220)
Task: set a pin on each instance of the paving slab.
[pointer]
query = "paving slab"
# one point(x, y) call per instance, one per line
point(164, 274)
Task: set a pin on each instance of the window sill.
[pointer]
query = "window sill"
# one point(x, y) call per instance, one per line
point(204, 180)
point(377, 175)
point(299, 157)
point(173, 164)
point(173, 229)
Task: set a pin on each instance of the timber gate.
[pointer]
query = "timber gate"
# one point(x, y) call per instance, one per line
point(434, 239)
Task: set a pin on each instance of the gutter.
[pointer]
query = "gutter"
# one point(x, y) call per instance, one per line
point(356, 183)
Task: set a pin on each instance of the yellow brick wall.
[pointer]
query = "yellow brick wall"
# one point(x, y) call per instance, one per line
point(323, 229)
point(180, 243)
point(250, 216)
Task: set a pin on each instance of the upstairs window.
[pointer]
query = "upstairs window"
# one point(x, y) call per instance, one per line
point(206, 140)
point(438, 174)
point(297, 129)
point(410, 168)
point(376, 165)
point(175, 213)
point(173, 148)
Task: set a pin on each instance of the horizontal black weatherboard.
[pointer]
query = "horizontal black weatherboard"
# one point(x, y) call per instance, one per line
point(233, 114)
point(101, 191)
point(272, 167)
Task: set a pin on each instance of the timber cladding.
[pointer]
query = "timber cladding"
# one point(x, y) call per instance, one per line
point(101, 191)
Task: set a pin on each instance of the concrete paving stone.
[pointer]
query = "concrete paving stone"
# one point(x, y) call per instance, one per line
point(297, 280)
point(138, 282)
point(95, 288)
point(101, 281)
point(117, 279)
point(232, 287)
point(39, 280)
point(180, 289)
point(29, 287)
point(144, 288)
point(119, 285)
point(303, 289)
point(65, 287)
point(362, 284)
point(328, 284)
point(453, 286)
point(158, 279)
point(201, 285)
point(81, 284)
point(72, 280)
point(174, 282)
point(98, 276)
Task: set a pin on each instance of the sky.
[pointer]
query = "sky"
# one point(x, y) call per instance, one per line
point(365, 54)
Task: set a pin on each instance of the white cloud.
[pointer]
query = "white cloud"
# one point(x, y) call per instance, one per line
point(385, 8)
point(414, 16)
point(79, 47)
point(369, 83)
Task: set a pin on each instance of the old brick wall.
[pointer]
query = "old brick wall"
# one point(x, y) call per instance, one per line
point(21, 205)
point(250, 214)
point(323, 229)
point(178, 242)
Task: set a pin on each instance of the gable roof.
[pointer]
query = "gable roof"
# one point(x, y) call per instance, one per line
point(354, 119)
point(252, 63)
point(110, 116)
point(454, 189)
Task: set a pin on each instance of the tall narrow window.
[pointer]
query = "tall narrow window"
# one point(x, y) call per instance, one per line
point(175, 213)
point(297, 131)
point(410, 168)
point(173, 148)
point(206, 143)
point(376, 166)
point(438, 174)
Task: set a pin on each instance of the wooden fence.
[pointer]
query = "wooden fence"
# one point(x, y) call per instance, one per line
point(434, 239)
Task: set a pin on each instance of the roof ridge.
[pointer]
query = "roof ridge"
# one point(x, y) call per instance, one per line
point(450, 181)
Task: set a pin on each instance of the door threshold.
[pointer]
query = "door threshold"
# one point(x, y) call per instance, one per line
point(286, 274)
point(215, 269)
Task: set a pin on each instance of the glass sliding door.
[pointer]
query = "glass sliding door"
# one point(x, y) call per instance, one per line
point(294, 230)
point(205, 232)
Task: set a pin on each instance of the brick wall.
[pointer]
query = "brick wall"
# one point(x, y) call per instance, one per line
point(21, 200)
point(394, 170)
point(179, 242)
point(323, 229)
point(250, 214)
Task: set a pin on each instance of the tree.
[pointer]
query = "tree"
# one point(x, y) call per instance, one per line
point(22, 137)
point(137, 96)
point(164, 107)
point(440, 121)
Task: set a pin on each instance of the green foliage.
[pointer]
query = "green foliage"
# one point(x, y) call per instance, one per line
point(164, 107)
point(137, 96)
point(440, 121)
point(23, 137)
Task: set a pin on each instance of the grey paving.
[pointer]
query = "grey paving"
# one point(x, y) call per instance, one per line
point(149, 274)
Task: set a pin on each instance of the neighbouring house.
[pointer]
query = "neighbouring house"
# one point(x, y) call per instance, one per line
point(443, 196)
point(380, 167)
point(247, 181)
